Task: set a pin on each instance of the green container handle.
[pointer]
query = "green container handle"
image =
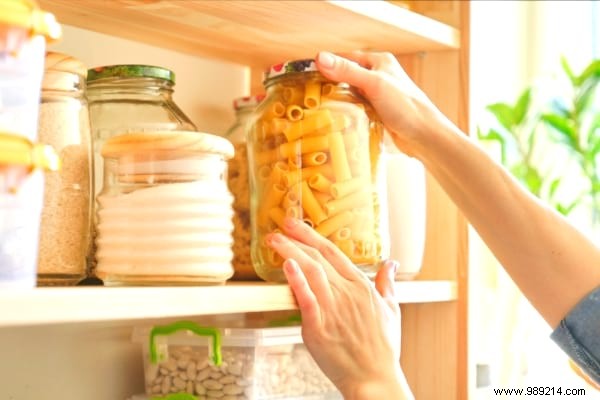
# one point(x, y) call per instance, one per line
point(164, 330)
point(176, 396)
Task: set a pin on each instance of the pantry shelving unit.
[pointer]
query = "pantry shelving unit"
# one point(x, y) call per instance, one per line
point(80, 332)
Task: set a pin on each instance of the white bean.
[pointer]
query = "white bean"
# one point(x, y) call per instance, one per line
point(232, 389)
point(217, 394)
point(200, 389)
point(211, 384)
point(179, 383)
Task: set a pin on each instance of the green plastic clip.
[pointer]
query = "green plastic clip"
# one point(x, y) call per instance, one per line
point(163, 330)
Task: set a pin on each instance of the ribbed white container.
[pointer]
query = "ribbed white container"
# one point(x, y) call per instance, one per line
point(165, 213)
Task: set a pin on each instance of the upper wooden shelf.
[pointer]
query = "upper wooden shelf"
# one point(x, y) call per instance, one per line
point(260, 33)
point(87, 304)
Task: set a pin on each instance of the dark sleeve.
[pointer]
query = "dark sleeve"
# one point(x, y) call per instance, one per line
point(579, 334)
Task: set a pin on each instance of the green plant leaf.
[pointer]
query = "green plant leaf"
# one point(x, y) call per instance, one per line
point(522, 106)
point(565, 66)
point(504, 113)
point(565, 127)
point(554, 184)
point(592, 71)
point(585, 93)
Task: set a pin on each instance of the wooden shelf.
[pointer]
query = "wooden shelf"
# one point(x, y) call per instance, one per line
point(260, 34)
point(42, 306)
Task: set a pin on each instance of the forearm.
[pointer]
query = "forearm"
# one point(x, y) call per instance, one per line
point(553, 264)
point(394, 387)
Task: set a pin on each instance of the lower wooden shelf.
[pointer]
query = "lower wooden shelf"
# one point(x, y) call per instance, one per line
point(43, 306)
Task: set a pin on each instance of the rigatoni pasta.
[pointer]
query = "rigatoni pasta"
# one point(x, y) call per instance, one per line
point(321, 155)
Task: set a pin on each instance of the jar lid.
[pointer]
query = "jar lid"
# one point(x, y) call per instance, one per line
point(130, 71)
point(60, 70)
point(64, 62)
point(166, 141)
point(27, 15)
point(247, 101)
point(18, 150)
point(291, 67)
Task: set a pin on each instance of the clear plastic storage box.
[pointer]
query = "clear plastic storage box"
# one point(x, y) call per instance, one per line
point(240, 364)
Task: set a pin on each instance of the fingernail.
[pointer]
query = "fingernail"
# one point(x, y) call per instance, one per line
point(290, 266)
point(393, 266)
point(290, 222)
point(273, 238)
point(326, 59)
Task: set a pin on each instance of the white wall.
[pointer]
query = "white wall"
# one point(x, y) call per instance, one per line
point(204, 88)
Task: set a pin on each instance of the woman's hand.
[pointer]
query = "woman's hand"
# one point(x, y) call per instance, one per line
point(407, 113)
point(350, 326)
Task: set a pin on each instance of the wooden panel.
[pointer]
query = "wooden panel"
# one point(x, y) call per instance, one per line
point(429, 350)
point(447, 12)
point(435, 336)
point(259, 33)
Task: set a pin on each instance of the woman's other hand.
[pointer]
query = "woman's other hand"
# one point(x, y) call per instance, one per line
point(350, 325)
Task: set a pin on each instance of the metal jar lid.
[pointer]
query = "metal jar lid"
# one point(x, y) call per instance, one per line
point(130, 71)
point(291, 67)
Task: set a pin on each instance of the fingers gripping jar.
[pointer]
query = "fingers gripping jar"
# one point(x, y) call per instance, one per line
point(314, 148)
point(164, 214)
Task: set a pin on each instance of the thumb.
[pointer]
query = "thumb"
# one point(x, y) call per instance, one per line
point(340, 69)
point(384, 280)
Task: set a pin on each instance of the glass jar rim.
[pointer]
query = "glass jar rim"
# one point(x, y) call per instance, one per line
point(130, 71)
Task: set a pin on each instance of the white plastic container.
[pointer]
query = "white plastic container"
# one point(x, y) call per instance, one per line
point(407, 211)
point(255, 364)
point(21, 198)
point(24, 29)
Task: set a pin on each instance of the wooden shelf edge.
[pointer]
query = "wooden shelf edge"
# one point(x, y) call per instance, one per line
point(260, 33)
point(43, 306)
point(403, 19)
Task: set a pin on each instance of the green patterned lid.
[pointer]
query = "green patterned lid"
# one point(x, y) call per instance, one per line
point(130, 71)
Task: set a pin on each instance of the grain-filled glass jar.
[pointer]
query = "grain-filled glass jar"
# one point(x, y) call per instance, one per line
point(314, 148)
point(239, 187)
point(66, 217)
point(164, 213)
point(130, 98)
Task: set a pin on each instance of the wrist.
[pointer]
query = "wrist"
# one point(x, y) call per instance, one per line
point(391, 387)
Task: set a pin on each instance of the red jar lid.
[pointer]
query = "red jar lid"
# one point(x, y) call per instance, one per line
point(291, 67)
point(247, 101)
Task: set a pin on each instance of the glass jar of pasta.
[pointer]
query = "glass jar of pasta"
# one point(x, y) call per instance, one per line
point(314, 150)
point(239, 187)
